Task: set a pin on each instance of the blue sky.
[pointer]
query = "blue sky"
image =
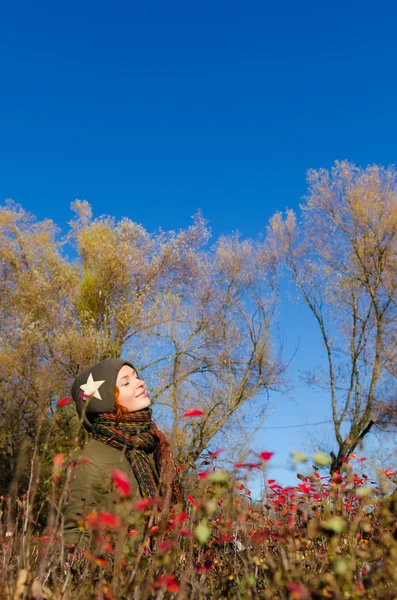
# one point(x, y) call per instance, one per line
point(156, 109)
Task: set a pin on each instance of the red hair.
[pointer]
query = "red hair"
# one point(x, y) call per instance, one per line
point(119, 409)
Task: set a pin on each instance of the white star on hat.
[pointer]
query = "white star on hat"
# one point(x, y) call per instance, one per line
point(91, 387)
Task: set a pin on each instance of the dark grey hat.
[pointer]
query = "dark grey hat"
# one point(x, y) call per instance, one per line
point(94, 389)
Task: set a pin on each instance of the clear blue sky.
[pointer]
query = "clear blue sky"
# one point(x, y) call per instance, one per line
point(153, 109)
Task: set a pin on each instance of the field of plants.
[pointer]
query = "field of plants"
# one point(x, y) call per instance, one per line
point(327, 537)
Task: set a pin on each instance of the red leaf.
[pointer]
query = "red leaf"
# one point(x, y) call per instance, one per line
point(168, 582)
point(101, 562)
point(92, 519)
point(58, 459)
point(352, 455)
point(337, 478)
point(121, 483)
point(65, 401)
point(216, 453)
point(75, 463)
point(193, 412)
point(133, 532)
point(178, 520)
point(106, 519)
point(297, 590)
point(185, 533)
point(205, 567)
point(191, 500)
point(389, 472)
point(166, 545)
point(146, 503)
point(173, 586)
point(266, 455)
point(249, 466)
point(103, 520)
point(107, 546)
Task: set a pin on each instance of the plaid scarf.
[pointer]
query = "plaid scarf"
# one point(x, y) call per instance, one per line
point(139, 436)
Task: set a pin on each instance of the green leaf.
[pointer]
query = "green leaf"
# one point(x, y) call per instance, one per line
point(219, 476)
point(322, 459)
point(211, 507)
point(362, 492)
point(202, 532)
point(335, 524)
point(299, 457)
point(340, 566)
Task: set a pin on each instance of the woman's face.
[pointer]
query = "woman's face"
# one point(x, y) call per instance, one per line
point(133, 394)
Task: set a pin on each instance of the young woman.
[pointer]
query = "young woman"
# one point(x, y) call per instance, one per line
point(113, 403)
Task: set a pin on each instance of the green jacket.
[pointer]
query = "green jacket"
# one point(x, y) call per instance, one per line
point(91, 489)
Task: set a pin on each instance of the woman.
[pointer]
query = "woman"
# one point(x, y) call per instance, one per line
point(113, 404)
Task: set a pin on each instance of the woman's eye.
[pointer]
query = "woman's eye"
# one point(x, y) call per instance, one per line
point(126, 383)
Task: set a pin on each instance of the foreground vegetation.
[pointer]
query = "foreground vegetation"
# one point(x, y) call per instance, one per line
point(327, 537)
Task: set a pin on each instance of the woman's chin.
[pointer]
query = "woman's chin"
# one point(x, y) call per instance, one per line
point(141, 404)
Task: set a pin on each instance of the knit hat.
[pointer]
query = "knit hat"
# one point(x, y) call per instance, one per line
point(94, 389)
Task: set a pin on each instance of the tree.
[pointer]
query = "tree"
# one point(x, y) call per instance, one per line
point(341, 256)
point(34, 304)
point(214, 348)
point(195, 320)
